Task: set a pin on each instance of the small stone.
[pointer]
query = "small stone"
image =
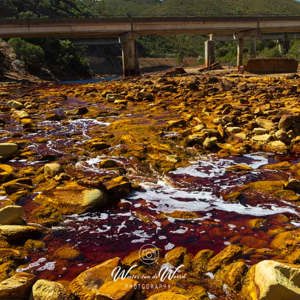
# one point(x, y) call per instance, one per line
point(272, 280)
point(232, 130)
point(117, 290)
point(7, 150)
point(67, 252)
point(259, 131)
point(282, 136)
point(238, 168)
point(294, 185)
point(21, 114)
point(108, 163)
point(294, 257)
point(11, 215)
point(276, 147)
point(6, 170)
point(224, 257)
point(119, 186)
point(290, 122)
point(45, 289)
point(232, 274)
point(286, 239)
point(52, 169)
point(176, 256)
point(199, 262)
point(16, 287)
point(265, 123)
point(261, 138)
point(15, 104)
point(210, 142)
point(34, 244)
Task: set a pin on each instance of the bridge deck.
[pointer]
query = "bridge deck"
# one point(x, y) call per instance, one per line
point(91, 28)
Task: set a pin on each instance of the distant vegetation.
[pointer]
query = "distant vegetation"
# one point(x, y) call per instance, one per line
point(61, 57)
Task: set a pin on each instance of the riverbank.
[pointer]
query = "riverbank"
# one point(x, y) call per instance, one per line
point(205, 168)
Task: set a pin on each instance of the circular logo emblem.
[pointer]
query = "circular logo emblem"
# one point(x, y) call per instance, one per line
point(149, 254)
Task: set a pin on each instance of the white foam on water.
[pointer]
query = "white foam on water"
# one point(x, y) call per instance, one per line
point(212, 167)
point(169, 199)
point(169, 246)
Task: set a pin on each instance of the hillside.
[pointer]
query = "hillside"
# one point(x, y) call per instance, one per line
point(85, 8)
point(198, 8)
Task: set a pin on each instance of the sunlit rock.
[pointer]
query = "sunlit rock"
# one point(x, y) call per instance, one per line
point(120, 289)
point(7, 150)
point(86, 285)
point(11, 215)
point(224, 257)
point(72, 198)
point(17, 287)
point(232, 274)
point(272, 280)
point(45, 289)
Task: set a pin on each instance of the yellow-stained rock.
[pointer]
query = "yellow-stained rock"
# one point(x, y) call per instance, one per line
point(45, 289)
point(16, 287)
point(72, 198)
point(272, 280)
point(232, 274)
point(200, 260)
point(11, 215)
point(86, 285)
point(224, 257)
point(286, 239)
point(67, 252)
point(121, 289)
point(176, 256)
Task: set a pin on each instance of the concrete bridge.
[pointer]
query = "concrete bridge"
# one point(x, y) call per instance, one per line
point(127, 29)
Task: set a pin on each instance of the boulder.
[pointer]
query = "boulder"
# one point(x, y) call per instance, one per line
point(286, 239)
point(7, 150)
point(86, 285)
point(272, 280)
point(290, 122)
point(232, 274)
point(16, 287)
point(121, 289)
point(265, 123)
point(11, 215)
point(224, 257)
point(277, 147)
point(294, 185)
point(45, 289)
point(261, 138)
point(18, 233)
point(51, 169)
point(168, 296)
point(72, 198)
point(200, 260)
point(175, 256)
point(15, 104)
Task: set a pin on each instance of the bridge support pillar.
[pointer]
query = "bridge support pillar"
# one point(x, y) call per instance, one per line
point(253, 48)
point(240, 50)
point(209, 54)
point(129, 55)
point(283, 45)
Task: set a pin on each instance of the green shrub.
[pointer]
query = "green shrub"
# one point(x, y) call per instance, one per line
point(32, 55)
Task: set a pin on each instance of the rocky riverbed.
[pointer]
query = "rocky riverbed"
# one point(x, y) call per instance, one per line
point(197, 176)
